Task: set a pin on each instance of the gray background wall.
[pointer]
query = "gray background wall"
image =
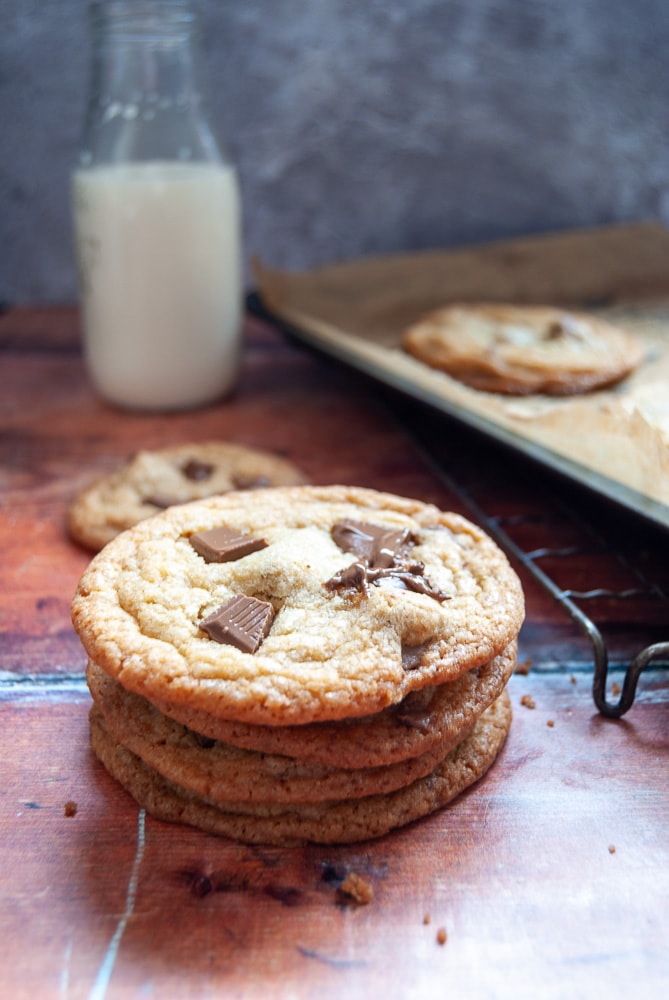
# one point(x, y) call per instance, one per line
point(366, 126)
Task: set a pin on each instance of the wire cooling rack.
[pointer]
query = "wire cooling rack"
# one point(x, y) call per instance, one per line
point(638, 586)
point(570, 601)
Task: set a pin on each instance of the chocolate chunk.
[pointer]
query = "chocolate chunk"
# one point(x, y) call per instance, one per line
point(197, 470)
point(554, 331)
point(412, 656)
point(354, 576)
point(410, 577)
point(413, 720)
point(250, 482)
point(242, 622)
point(382, 554)
point(225, 544)
point(161, 500)
point(377, 546)
point(414, 710)
point(357, 576)
point(566, 328)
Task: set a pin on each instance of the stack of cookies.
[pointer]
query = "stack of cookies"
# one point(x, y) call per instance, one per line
point(299, 664)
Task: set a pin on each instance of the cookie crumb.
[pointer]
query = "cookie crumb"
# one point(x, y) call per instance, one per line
point(356, 889)
point(550, 723)
point(615, 689)
point(612, 848)
point(524, 667)
point(426, 919)
point(528, 701)
point(441, 935)
point(572, 679)
point(70, 808)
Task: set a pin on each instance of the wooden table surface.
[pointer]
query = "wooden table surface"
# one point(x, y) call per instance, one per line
point(550, 877)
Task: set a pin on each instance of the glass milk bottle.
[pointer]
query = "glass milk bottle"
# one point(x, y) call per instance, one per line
point(156, 217)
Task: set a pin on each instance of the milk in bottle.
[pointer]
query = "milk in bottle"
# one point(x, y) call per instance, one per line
point(158, 250)
point(156, 211)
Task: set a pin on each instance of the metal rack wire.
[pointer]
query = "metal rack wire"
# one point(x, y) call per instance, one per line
point(569, 601)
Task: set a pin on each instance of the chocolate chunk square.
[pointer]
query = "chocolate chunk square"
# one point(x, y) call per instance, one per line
point(225, 544)
point(242, 622)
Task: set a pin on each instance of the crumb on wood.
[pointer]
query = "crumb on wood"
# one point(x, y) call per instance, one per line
point(356, 889)
point(528, 701)
point(524, 667)
point(442, 935)
point(70, 808)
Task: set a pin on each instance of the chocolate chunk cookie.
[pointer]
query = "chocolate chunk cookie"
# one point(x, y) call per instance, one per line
point(517, 350)
point(150, 481)
point(299, 664)
point(336, 822)
point(221, 772)
point(426, 719)
point(298, 638)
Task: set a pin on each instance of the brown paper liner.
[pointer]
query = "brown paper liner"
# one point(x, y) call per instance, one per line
point(358, 310)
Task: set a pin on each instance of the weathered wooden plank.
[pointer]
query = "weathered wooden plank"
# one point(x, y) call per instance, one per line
point(550, 877)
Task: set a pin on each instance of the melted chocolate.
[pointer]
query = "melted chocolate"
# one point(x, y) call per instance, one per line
point(377, 546)
point(382, 554)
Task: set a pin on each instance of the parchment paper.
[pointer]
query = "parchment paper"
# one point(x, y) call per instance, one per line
point(610, 438)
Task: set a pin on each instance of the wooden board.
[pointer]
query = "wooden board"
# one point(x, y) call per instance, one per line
point(550, 877)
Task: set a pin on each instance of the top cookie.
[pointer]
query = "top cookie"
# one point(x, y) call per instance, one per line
point(150, 481)
point(305, 604)
point(519, 350)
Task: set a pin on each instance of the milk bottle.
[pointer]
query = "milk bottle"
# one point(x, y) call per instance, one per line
point(157, 219)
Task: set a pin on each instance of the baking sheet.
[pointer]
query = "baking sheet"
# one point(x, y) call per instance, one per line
point(614, 441)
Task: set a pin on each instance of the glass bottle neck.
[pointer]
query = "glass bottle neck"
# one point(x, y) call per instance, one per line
point(144, 98)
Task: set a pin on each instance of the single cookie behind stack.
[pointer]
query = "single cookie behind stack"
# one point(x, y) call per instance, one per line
point(151, 481)
point(299, 664)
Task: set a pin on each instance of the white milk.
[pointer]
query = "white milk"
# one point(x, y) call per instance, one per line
point(159, 258)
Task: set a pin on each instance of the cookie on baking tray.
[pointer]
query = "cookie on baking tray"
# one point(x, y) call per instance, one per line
point(296, 658)
point(523, 349)
point(150, 481)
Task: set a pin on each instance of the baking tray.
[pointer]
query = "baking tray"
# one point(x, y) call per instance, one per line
point(614, 442)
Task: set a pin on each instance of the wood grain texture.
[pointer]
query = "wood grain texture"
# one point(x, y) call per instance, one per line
point(550, 877)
